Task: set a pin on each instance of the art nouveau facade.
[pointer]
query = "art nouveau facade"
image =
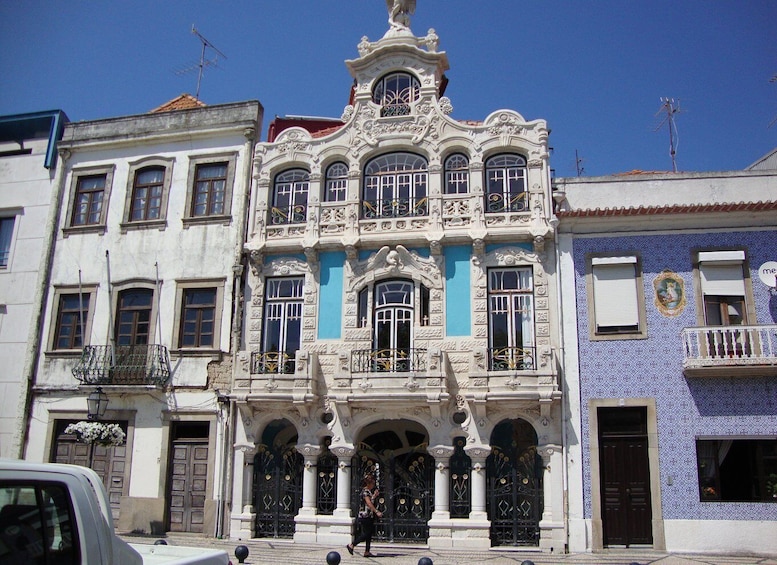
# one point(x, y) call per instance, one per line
point(148, 240)
point(400, 318)
point(668, 291)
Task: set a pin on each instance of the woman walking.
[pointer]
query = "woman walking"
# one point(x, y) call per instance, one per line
point(367, 514)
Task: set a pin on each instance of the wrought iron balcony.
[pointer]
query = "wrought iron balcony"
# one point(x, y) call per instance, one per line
point(730, 350)
point(395, 208)
point(272, 363)
point(511, 359)
point(388, 360)
point(123, 365)
point(296, 214)
point(500, 203)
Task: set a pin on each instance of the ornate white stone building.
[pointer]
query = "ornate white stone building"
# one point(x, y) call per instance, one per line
point(401, 319)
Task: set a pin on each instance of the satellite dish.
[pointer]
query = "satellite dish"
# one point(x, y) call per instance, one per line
point(768, 273)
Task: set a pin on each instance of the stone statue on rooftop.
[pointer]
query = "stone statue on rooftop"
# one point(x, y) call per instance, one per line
point(399, 13)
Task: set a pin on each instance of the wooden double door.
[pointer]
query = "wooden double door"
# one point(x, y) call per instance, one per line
point(625, 477)
point(188, 481)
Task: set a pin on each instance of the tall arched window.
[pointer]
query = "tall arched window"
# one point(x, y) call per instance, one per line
point(456, 174)
point(290, 197)
point(395, 92)
point(506, 184)
point(395, 185)
point(336, 182)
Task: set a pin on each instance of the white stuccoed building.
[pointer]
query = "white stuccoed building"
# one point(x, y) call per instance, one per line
point(140, 306)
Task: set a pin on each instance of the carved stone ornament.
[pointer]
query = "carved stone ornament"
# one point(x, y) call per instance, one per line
point(393, 262)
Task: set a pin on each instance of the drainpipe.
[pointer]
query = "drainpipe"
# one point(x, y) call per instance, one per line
point(35, 336)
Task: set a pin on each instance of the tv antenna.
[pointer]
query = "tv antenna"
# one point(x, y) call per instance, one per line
point(773, 79)
point(204, 62)
point(671, 107)
point(579, 164)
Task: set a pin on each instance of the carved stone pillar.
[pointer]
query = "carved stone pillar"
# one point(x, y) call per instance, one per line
point(243, 516)
point(478, 455)
point(310, 454)
point(344, 455)
point(552, 522)
point(442, 456)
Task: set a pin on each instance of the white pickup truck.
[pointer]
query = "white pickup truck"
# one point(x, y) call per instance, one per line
point(53, 514)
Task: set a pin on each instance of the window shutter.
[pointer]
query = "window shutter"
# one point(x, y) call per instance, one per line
point(615, 293)
point(722, 279)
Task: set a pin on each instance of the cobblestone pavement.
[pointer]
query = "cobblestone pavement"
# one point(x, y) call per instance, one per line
point(282, 552)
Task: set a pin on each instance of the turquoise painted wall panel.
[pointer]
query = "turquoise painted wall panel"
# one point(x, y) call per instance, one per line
point(330, 311)
point(458, 317)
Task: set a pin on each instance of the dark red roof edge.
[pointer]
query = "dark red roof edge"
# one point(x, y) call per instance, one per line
point(677, 209)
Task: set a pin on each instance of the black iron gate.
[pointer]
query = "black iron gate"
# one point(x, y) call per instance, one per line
point(406, 483)
point(514, 496)
point(277, 490)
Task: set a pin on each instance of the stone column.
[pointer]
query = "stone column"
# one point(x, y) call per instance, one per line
point(344, 455)
point(552, 521)
point(310, 453)
point(478, 482)
point(243, 516)
point(442, 456)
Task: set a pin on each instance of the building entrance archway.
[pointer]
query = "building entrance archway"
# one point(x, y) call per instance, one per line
point(277, 481)
point(395, 452)
point(514, 471)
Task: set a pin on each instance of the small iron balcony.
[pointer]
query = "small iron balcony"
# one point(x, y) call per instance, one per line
point(388, 360)
point(272, 362)
point(511, 359)
point(123, 365)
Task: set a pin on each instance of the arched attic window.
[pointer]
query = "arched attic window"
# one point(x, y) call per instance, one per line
point(395, 92)
point(395, 186)
point(290, 197)
point(457, 174)
point(336, 182)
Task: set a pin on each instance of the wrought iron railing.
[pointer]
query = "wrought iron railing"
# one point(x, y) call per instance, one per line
point(288, 215)
point(395, 208)
point(511, 359)
point(497, 202)
point(712, 345)
point(272, 362)
point(388, 360)
point(123, 365)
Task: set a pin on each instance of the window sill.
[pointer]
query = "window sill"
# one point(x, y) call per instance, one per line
point(143, 225)
point(63, 353)
point(99, 229)
point(213, 354)
point(203, 220)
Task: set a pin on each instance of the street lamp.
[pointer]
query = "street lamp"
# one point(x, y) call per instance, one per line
point(96, 403)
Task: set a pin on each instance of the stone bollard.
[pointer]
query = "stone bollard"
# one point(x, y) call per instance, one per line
point(332, 558)
point(241, 552)
point(425, 561)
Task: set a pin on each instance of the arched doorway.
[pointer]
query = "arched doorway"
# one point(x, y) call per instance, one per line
point(277, 484)
point(514, 471)
point(396, 453)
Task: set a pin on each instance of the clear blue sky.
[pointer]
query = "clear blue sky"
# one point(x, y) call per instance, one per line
point(594, 69)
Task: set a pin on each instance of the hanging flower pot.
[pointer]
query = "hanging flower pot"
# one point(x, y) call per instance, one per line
point(97, 433)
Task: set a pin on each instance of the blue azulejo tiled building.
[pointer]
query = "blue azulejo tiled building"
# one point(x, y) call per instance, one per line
point(669, 292)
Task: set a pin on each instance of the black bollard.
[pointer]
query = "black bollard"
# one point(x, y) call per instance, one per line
point(241, 552)
point(425, 561)
point(332, 558)
point(160, 542)
point(527, 562)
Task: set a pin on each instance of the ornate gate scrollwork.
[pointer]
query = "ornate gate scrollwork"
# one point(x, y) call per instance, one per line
point(515, 491)
point(406, 483)
point(277, 490)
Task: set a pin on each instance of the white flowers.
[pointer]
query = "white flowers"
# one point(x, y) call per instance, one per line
point(97, 432)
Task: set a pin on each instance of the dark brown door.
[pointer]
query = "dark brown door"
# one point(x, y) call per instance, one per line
point(625, 476)
point(188, 481)
point(109, 462)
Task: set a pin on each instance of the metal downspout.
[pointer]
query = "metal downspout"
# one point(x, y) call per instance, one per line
point(35, 336)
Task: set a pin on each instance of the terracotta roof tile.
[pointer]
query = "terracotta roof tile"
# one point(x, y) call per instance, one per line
point(182, 102)
point(658, 210)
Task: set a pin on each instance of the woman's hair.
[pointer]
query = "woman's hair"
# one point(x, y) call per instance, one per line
point(367, 478)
